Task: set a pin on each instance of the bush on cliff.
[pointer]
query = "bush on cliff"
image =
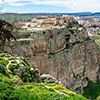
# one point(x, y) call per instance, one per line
point(5, 32)
point(2, 69)
point(92, 90)
point(58, 87)
point(3, 61)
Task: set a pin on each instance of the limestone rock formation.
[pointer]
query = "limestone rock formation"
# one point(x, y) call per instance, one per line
point(68, 54)
point(48, 78)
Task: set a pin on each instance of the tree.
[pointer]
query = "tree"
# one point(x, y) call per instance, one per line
point(5, 32)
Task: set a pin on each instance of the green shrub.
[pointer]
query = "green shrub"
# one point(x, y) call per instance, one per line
point(25, 36)
point(72, 32)
point(3, 96)
point(51, 53)
point(77, 42)
point(26, 61)
point(29, 86)
point(71, 94)
point(43, 81)
point(78, 89)
point(33, 97)
point(63, 29)
point(97, 45)
point(24, 78)
point(23, 28)
point(27, 68)
point(80, 25)
point(53, 84)
point(1, 52)
point(63, 91)
point(13, 61)
point(17, 66)
point(87, 39)
point(80, 97)
point(11, 68)
point(3, 61)
point(59, 33)
point(3, 70)
point(67, 89)
point(92, 90)
point(63, 50)
point(58, 87)
point(50, 89)
point(7, 56)
point(2, 55)
point(10, 59)
point(44, 31)
point(67, 46)
point(98, 80)
point(13, 73)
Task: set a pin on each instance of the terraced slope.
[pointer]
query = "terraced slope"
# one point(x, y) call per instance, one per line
point(15, 86)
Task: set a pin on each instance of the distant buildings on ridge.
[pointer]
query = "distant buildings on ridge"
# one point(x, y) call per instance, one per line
point(44, 21)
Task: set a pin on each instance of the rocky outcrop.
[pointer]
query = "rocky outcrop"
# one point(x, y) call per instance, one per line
point(48, 78)
point(68, 54)
point(19, 70)
point(74, 66)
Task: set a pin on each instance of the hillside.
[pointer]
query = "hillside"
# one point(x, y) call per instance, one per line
point(16, 87)
point(65, 56)
point(68, 54)
point(19, 16)
point(50, 14)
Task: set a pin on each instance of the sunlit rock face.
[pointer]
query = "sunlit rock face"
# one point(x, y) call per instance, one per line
point(68, 54)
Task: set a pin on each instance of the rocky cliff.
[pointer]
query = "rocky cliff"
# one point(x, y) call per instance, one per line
point(68, 54)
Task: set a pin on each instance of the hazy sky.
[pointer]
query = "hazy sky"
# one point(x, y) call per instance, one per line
point(64, 6)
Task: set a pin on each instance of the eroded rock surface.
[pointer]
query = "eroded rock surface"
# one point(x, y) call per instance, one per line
point(68, 54)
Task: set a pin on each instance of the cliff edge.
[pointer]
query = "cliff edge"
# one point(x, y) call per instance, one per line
point(68, 54)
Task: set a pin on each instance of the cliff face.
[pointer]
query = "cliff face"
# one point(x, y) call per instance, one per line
point(67, 54)
point(74, 66)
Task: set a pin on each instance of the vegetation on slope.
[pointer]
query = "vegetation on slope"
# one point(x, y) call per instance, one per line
point(30, 91)
point(9, 64)
point(96, 39)
point(13, 89)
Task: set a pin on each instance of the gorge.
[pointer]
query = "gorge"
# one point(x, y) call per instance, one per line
point(68, 54)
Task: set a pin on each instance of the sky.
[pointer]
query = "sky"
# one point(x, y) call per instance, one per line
point(49, 6)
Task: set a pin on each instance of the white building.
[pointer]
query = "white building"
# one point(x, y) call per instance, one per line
point(39, 20)
point(27, 24)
